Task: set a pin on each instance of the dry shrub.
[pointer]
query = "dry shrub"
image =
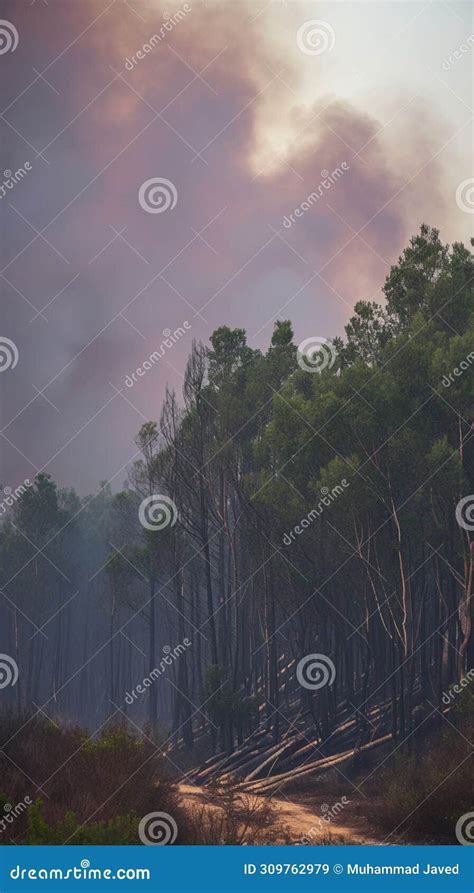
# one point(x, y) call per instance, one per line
point(96, 780)
point(322, 838)
point(235, 819)
point(425, 794)
point(97, 791)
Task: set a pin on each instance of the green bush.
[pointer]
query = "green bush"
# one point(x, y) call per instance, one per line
point(111, 739)
point(119, 830)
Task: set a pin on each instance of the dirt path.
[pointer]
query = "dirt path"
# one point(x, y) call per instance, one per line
point(303, 815)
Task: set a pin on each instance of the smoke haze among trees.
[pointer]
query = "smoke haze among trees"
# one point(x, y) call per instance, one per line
point(379, 581)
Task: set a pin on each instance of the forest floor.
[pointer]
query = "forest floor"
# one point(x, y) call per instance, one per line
point(301, 814)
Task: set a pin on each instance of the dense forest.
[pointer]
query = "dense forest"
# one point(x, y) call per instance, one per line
point(291, 558)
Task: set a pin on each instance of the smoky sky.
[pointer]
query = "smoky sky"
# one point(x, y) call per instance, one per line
point(245, 126)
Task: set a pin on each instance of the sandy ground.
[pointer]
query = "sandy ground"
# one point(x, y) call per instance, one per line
point(302, 814)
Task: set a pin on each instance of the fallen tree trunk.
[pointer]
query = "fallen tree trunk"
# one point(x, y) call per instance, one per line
point(278, 781)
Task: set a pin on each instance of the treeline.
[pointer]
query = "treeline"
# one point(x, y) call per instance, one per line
point(314, 503)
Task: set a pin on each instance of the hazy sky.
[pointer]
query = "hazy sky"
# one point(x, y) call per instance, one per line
point(244, 108)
